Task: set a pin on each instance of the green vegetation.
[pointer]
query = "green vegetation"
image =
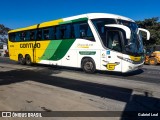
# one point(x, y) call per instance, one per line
point(153, 25)
point(3, 33)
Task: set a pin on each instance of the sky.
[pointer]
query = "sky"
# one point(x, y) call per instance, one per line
point(21, 13)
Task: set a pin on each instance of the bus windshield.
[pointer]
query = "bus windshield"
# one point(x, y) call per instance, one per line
point(135, 44)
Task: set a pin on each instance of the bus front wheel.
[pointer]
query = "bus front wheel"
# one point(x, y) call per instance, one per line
point(28, 60)
point(88, 65)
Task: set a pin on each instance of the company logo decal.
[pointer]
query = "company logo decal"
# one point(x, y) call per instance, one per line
point(84, 45)
point(111, 66)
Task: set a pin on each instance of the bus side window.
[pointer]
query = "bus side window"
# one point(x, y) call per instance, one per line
point(76, 30)
point(27, 36)
point(23, 36)
point(17, 37)
point(32, 35)
point(51, 32)
point(46, 34)
point(113, 41)
point(62, 31)
point(67, 32)
point(82, 30)
point(72, 31)
point(12, 37)
point(100, 26)
point(39, 34)
point(58, 33)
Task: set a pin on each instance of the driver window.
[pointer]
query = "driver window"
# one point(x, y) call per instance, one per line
point(113, 40)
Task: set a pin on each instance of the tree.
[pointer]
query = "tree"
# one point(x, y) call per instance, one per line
point(4, 33)
point(153, 25)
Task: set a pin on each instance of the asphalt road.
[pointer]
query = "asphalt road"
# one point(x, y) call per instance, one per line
point(51, 88)
point(148, 73)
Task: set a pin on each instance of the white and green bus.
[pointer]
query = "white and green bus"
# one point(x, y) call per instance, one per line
point(95, 41)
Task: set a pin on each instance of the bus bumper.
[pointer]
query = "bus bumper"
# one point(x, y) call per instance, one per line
point(132, 67)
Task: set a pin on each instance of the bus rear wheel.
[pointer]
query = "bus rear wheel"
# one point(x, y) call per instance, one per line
point(21, 60)
point(88, 65)
point(28, 60)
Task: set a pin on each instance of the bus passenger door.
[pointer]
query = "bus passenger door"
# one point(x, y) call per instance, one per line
point(114, 49)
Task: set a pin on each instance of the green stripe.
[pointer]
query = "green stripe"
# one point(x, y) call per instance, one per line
point(52, 47)
point(57, 49)
point(80, 19)
point(62, 49)
point(65, 22)
point(72, 21)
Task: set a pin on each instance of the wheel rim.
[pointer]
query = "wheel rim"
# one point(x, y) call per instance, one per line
point(88, 66)
point(28, 60)
point(20, 59)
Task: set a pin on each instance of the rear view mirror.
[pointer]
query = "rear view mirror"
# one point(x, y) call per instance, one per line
point(144, 30)
point(125, 28)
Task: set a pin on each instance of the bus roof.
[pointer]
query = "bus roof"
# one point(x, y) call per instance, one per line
point(99, 15)
point(59, 21)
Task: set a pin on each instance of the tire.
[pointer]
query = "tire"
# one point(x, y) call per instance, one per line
point(21, 60)
point(153, 61)
point(88, 65)
point(28, 60)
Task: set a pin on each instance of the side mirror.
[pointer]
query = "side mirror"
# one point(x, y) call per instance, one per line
point(125, 28)
point(144, 30)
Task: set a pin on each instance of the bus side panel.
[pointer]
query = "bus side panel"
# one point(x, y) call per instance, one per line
point(54, 52)
point(23, 48)
point(42, 54)
point(70, 59)
point(90, 53)
point(11, 48)
point(110, 60)
point(87, 49)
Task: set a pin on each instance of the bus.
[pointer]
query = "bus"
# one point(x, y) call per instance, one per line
point(93, 41)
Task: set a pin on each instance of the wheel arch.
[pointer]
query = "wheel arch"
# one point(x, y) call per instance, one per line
point(20, 54)
point(29, 56)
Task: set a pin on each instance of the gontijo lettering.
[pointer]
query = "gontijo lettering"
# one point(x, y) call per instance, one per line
point(30, 45)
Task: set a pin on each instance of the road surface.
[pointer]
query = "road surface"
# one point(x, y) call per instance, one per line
point(51, 88)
